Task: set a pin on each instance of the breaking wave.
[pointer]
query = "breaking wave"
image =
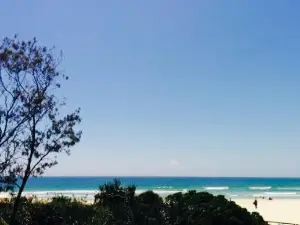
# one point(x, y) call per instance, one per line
point(259, 188)
point(289, 188)
point(216, 188)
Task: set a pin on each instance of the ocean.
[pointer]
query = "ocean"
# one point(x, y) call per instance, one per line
point(86, 187)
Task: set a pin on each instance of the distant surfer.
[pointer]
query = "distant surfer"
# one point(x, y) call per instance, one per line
point(255, 203)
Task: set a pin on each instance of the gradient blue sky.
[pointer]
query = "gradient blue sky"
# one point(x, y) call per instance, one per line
point(198, 88)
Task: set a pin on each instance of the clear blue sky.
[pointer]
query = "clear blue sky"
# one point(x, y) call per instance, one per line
point(199, 88)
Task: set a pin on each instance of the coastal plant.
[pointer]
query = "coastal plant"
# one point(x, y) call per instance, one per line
point(44, 131)
point(118, 200)
point(191, 208)
point(116, 204)
point(204, 208)
point(149, 208)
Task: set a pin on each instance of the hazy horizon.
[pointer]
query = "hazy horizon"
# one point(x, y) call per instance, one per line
point(157, 176)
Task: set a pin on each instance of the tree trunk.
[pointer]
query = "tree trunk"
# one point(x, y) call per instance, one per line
point(17, 202)
point(26, 174)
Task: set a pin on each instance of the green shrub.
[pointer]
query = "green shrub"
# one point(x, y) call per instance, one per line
point(118, 205)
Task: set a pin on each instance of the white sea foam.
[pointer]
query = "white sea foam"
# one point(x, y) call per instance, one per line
point(289, 188)
point(280, 193)
point(61, 192)
point(259, 188)
point(89, 193)
point(164, 187)
point(216, 188)
point(168, 190)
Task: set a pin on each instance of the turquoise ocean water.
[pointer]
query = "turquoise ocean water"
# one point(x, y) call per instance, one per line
point(230, 187)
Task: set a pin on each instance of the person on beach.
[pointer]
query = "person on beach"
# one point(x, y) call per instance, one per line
point(255, 203)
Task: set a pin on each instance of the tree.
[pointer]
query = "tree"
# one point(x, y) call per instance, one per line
point(33, 74)
point(150, 208)
point(12, 117)
point(204, 208)
point(117, 199)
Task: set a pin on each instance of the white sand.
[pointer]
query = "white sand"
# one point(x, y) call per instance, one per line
point(281, 210)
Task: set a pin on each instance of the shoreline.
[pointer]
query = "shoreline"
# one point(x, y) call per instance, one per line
point(161, 192)
point(42, 193)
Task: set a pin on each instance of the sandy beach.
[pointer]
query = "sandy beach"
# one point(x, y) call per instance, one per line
point(281, 210)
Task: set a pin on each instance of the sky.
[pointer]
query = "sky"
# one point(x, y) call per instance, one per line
point(174, 88)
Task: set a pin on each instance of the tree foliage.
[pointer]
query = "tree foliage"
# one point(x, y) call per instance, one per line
point(32, 128)
point(118, 200)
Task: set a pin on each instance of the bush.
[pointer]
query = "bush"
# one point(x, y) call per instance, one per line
point(118, 205)
point(59, 211)
point(204, 208)
point(178, 209)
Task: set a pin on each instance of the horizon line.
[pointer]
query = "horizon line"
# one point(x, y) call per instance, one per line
point(166, 176)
